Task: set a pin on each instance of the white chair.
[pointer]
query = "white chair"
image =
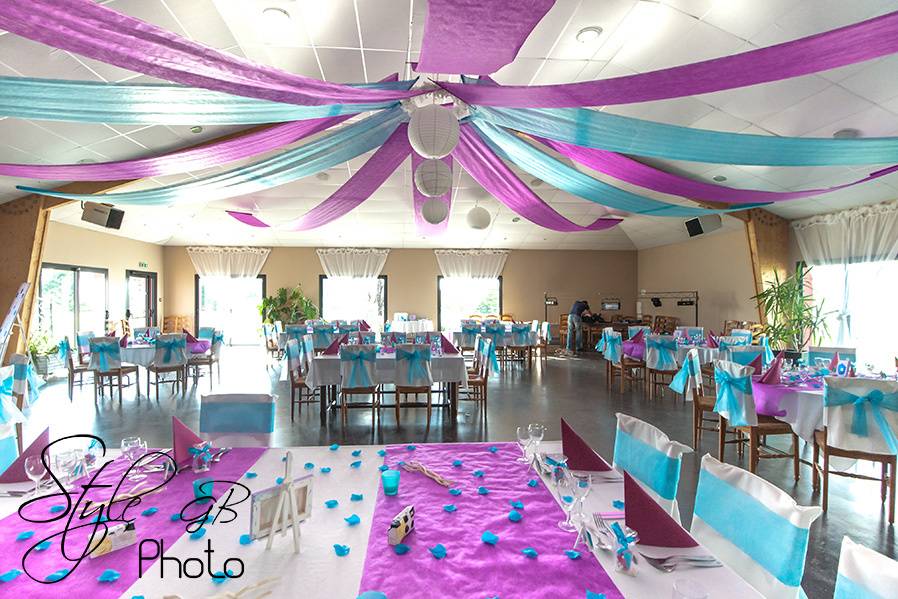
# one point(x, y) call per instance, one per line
point(860, 419)
point(295, 331)
point(414, 376)
point(744, 355)
point(689, 382)
point(300, 393)
point(152, 332)
point(357, 375)
point(82, 340)
point(238, 419)
point(543, 341)
point(651, 458)
point(864, 573)
point(827, 353)
point(690, 332)
point(208, 359)
point(725, 343)
point(660, 361)
point(106, 364)
point(755, 529)
point(619, 365)
point(520, 344)
point(170, 357)
point(634, 329)
point(479, 376)
point(323, 335)
point(743, 333)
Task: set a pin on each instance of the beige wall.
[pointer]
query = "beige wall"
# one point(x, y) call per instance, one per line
point(78, 246)
point(717, 266)
point(412, 279)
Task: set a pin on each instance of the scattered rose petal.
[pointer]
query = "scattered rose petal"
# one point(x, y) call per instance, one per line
point(149, 511)
point(438, 551)
point(572, 554)
point(515, 516)
point(356, 497)
point(356, 464)
point(331, 503)
point(335, 447)
point(401, 549)
point(356, 453)
point(530, 552)
point(325, 469)
point(482, 491)
point(455, 492)
point(341, 550)
point(449, 507)
point(198, 534)
point(245, 539)
point(532, 482)
point(490, 538)
point(109, 575)
point(352, 520)
point(517, 504)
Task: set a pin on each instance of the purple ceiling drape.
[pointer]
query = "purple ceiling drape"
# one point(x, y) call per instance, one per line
point(422, 226)
point(828, 50)
point(476, 36)
point(626, 169)
point(496, 177)
point(93, 30)
point(351, 194)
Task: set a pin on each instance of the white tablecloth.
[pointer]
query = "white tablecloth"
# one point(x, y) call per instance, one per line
point(706, 355)
point(506, 341)
point(804, 411)
point(412, 326)
point(446, 368)
point(140, 355)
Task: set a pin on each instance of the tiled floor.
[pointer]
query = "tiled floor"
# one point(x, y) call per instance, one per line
point(572, 388)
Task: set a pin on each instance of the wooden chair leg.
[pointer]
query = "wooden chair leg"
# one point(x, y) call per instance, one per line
point(721, 436)
point(396, 402)
point(753, 451)
point(429, 400)
point(695, 425)
point(796, 473)
point(815, 473)
point(892, 465)
point(119, 388)
point(825, 478)
point(71, 382)
point(157, 386)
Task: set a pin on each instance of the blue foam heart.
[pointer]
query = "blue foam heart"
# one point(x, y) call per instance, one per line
point(251, 475)
point(490, 538)
point(198, 534)
point(174, 517)
point(457, 463)
point(401, 549)
point(325, 469)
point(109, 575)
point(591, 595)
point(517, 504)
point(493, 449)
point(220, 577)
point(356, 497)
point(438, 551)
point(381, 452)
point(55, 509)
point(411, 447)
point(532, 482)
point(149, 511)
point(530, 552)
point(58, 575)
point(383, 468)
point(10, 575)
point(477, 474)
point(309, 466)
point(245, 539)
point(352, 520)
point(449, 508)
point(341, 550)
point(455, 492)
point(42, 546)
point(335, 447)
point(356, 464)
point(356, 453)
point(331, 503)
point(515, 516)
point(482, 491)
point(24, 536)
point(279, 480)
point(572, 554)
point(618, 504)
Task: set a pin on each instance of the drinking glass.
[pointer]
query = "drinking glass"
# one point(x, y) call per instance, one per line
point(537, 432)
point(65, 467)
point(566, 494)
point(688, 589)
point(582, 485)
point(523, 436)
point(35, 470)
point(137, 452)
point(129, 449)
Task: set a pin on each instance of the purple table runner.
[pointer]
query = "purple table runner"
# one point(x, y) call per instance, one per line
point(82, 581)
point(634, 349)
point(472, 568)
point(768, 397)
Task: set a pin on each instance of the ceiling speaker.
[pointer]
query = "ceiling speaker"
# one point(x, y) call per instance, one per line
point(103, 215)
point(703, 224)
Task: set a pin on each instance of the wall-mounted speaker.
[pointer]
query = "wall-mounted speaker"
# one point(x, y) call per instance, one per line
point(103, 215)
point(703, 224)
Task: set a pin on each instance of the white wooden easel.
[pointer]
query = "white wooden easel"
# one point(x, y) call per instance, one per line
point(285, 515)
point(13, 318)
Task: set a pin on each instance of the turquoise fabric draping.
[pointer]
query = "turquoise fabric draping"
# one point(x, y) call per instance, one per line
point(564, 177)
point(158, 103)
point(690, 371)
point(417, 363)
point(64, 349)
point(520, 334)
point(358, 372)
point(170, 345)
point(325, 152)
point(322, 334)
point(874, 402)
point(594, 129)
point(667, 352)
point(648, 464)
point(469, 333)
point(600, 344)
point(104, 351)
point(727, 400)
point(614, 348)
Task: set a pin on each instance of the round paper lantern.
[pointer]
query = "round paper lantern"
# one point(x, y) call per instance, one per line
point(478, 218)
point(434, 211)
point(433, 131)
point(433, 178)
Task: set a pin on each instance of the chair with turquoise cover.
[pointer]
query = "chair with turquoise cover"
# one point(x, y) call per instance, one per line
point(205, 333)
point(470, 329)
point(414, 376)
point(521, 344)
point(170, 358)
point(744, 355)
point(478, 377)
point(82, 343)
point(323, 335)
point(634, 329)
point(860, 422)
point(628, 369)
point(106, 364)
point(73, 369)
point(864, 573)
point(209, 359)
point(660, 362)
point(358, 368)
point(826, 353)
point(295, 331)
point(270, 340)
point(543, 341)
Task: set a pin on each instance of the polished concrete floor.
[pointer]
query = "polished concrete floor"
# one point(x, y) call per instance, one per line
point(570, 387)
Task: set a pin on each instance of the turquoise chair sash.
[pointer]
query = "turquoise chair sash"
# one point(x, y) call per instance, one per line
point(64, 349)
point(600, 344)
point(322, 334)
point(727, 400)
point(496, 333)
point(104, 351)
point(768, 353)
point(84, 342)
point(520, 334)
point(667, 352)
point(169, 345)
point(745, 335)
point(648, 464)
point(546, 330)
point(614, 348)
point(347, 328)
point(358, 374)
point(875, 401)
point(295, 332)
point(308, 345)
point(399, 337)
point(744, 358)
point(689, 371)
point(206, 333)
point(417, 359)
point(217, 337)
point(633, 330)
point(469, 333)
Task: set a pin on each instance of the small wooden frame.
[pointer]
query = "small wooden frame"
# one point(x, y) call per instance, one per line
point(281, 507)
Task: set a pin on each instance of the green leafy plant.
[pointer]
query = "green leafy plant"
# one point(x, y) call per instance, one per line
point(40, 345)
point(288, 306)
point(794, 319)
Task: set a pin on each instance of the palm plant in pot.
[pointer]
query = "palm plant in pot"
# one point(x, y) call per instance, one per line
point(289, 306)
point(794, 318)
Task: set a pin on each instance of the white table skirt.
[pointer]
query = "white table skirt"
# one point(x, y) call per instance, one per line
point(804, 411)
point(706, 355)
point(506, 341)
point(142, 356)
point(412, 326)
point(447, 368)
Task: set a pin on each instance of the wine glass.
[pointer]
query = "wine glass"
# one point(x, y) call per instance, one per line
point(129, 445)
point(137, 452)
point(65, 467)
point(537, 432)
point(582, 485)
point(566, 494)
point(35, 470)
point(523, 436)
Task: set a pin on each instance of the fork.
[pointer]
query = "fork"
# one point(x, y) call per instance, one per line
point(670, 563)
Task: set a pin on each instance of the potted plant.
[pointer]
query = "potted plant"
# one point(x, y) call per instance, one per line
point(288, 306)
point(44, 354)
point(794, 318)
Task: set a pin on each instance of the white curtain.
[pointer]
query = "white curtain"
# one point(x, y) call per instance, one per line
point(229, 262)
point(471, 264)
point(353, 263)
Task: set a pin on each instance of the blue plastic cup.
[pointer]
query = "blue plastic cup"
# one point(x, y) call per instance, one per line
point(390, 479)
point(202, 489)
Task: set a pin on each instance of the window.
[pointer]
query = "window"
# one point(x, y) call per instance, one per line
point(854, 294)
point(71, 299)
point(459, 298)
point(230, 305)
point(346, 298)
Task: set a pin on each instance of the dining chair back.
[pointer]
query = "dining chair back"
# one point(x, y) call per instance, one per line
point(470, 329)
point(278, 327)
point(308, 353)
point(745, 333)
point(520, 334)
point(293, 349)
point(145, 332)
point(614, 348)
point(105, 354)
point(754, 528)
point(634, 329)
point(861, 414)
point(323, 334)
point(745, 354)
point(205, 333)
point(690, 332)
point(735, 400)
point(413, 365)
point(82, 340)
point(344, 327)
point(661, 353)
point(357, 366)
point(238, 419)
point(217, 343)
point(827, 353)
point(295, 331)
point(864, 573)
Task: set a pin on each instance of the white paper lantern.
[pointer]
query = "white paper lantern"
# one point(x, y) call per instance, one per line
point(433, 131)
point(478, 218)
point(434, 211)
point(433, 178)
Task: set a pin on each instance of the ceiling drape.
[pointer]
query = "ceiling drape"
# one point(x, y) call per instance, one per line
point(231, 262)
point(862, 234)
point(471, 264)
point(353, 262)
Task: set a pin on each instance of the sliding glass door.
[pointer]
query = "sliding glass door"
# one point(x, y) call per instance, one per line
point(141, 300)
point(72, 299)
point(230, 305)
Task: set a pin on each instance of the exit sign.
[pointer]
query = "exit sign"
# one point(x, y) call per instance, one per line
point(142, 264)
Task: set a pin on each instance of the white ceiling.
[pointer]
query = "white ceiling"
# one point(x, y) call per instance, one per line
point(365, 40)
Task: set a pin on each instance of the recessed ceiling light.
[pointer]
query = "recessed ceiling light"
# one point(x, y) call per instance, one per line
point(847, 133)
point(516, 219)
point(196, 129)
point(719, 178)
point(588, 35)
point(322, 176)
point(536, 182)
point(275, 17)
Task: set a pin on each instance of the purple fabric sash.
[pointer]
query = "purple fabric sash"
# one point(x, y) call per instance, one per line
point(462, 36)
point(629, 170)
point(828, 50)
point(767, 397)
point(93, 30)
point(351, 194)
point(497, 178)
point(471, 567)
point(422, 227)
point(82, 582)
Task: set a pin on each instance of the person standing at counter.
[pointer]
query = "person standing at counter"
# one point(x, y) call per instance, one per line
point(579, 309)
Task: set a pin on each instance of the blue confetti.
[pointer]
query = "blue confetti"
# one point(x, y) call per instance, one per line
point(356, 453)
point(490, 538)
point(353, 520)
point(493, 449)
point(572, 554)
point(449, 507)
point(381, 452)
point(325, 469)
point(331, 503)
point(284, 459)
point(42, 546)
point(58, 575)
point(372, 595)
point(438, 551)
point(455, 492)
point(356, 497)
point(55, 509)
point(412, 448)
point(532, 482)
point(109, 575)
point(11, 575)
point(309, 466)
point(618, 504)
point(356, 464)
point(251, 475)
point(198, 534)
point(477, 474)
point(279, 480)
point(341, 550)
point(401, 549)
point(24, 536)
point(457, 463)
point(517, 504)
point(220, 577)
point(400, 463)
point(530, 552)
point(482, 491)
point(175, 517)
point(245, 539)
point(567, 499)
point(515, 516)
point(149, 511)
point(335, 447)
point(591, 595)
point(383, 468)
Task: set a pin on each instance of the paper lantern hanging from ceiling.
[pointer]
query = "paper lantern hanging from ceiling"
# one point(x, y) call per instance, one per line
point(434, 211)
point(478, 218)
point(433, 178)
point(433, 131)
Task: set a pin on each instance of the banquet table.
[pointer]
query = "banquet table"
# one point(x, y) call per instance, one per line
point(143, 354)
point(801, 405)
point(471, 569)
point(505, 341)
point(423, 325)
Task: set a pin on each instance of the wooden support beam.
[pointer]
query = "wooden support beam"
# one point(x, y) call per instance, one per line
point(768, 241)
